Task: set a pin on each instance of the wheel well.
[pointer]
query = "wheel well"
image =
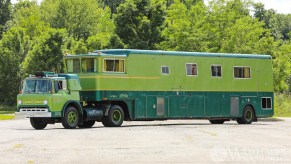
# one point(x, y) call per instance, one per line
point(124, 107)
point(250, 105)
point(74, 104)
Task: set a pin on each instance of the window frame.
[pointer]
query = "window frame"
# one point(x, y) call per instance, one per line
point(114, 60)
point(242, 77)
point(266, 103)
point(191, 66)
point(216, 66)
point(95, 65)
point(168, 70)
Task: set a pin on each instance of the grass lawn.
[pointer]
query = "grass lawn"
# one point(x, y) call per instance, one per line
point(6, 116)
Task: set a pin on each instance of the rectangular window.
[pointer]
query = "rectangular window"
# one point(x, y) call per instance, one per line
point(88, 65)
point(216, 70)
point(191, 69)
point(73, 65)
point(165, 70)
point(114, 65)
point(242, 72)
point(266, 102)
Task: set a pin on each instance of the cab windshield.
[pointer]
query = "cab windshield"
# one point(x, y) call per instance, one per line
point(37, 86)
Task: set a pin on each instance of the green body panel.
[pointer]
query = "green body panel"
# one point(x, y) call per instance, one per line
point(143, 73)
point(184, 104)
point(143, 84)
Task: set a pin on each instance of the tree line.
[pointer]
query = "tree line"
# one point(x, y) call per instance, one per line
point(36, 36)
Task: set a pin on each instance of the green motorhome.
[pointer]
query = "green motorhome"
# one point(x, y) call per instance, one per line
point(114, 85)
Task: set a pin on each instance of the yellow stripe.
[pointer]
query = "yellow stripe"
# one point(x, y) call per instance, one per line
point(118, 77)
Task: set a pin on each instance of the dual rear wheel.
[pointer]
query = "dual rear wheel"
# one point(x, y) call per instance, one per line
point(248, 117)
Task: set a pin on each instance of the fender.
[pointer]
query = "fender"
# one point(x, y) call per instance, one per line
point(76, 103)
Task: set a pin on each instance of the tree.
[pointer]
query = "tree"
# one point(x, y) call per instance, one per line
point(139, 23)
point(27, 15)
point(13, 49)
point(5, 14)
point(81, 18)
point(47, 53)
point(244, 36)
point(185, 28)
point(282, 68)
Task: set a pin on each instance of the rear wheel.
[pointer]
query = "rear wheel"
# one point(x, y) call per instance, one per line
point(248, 116)
point(38, 123)
point(115, 117)
point(71, 118)
point(216, 121)
point(87, 124)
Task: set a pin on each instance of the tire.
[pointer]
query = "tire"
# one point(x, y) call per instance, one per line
point(115, 117)
point(216, 121)
point(71, 118)
point(87, 124)
point(248, 116)
point(38, 123)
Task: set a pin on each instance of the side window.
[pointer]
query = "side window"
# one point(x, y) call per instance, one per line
point(165, 70)
point(216, 70)
point(58, 86)
point(242, 72)
point(114, 65)
point(88, 65)
point(191, 69)
point(266, 102)
point(73, 65)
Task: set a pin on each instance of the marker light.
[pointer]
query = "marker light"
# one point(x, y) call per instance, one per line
point(45, 102)
point(19, 102)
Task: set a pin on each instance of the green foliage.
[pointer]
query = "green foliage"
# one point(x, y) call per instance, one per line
point(282, 68)
point(81, 18)
point(282, 105)
point(5, 14)
point(47, 53)
point(13, 49)
point(139, 23)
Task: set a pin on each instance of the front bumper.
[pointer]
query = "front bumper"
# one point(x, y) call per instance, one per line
point(33, 112)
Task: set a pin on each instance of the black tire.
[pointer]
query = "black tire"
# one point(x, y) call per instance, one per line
point(87, 124)
point(115, 117)
point(216, 121)
point(38, 123)
point(247, 117)
point(71, 118)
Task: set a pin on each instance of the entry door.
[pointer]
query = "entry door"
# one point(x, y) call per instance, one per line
point(234, 106)
point(155, 107)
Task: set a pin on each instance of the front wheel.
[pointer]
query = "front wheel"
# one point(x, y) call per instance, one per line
point(115, 117)
point(71, 118)
point(248, 116)
point(38, 123)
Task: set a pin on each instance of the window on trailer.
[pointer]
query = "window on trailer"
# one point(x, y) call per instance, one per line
point(191, 69)
point(88, 65)
point(242, 72)
point(73, 65)
point(113, 65)
point(216, 70)
point(165, 70)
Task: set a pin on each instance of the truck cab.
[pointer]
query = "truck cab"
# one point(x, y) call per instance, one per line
point(45, 97)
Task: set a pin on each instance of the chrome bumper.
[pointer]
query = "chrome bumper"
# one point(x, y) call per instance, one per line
point(33, 112)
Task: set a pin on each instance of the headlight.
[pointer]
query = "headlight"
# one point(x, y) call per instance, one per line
point(45, 102)
point(19, 102)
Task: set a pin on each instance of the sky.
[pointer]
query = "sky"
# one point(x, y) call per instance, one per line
point(281, 6)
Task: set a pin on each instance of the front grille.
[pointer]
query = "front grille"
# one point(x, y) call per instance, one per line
point(33, 110)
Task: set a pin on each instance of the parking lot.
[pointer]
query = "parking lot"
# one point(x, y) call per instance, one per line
point(174, 141)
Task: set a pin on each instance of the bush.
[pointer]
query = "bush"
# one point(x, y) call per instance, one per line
point(282, 105)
